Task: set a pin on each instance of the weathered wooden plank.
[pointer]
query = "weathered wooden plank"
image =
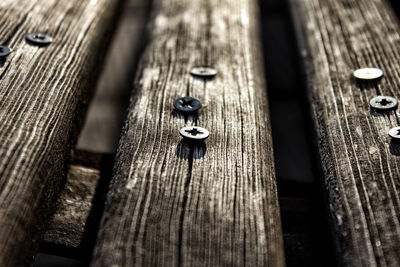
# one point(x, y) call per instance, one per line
point(68, 224)
point(359, 162)
point(73, 227)
point(174, 203)
point(106, 113)
point(42, 89)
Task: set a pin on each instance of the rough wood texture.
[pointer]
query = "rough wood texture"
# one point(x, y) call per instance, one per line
point(73, 227)
point(107, 111)
point(173, 203)
point(359, 162)
point(41, 92)
point(68, 224)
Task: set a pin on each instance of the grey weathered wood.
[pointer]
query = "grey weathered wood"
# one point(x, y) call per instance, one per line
point(68, 224)
point(359, 162)
point(73, 227)
point(106, 113)
point(42, 89)
point(69, 231)
point(173, 203)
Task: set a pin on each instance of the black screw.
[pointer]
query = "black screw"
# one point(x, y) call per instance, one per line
point(38, 39)
point(187, 104)
point(4, 51)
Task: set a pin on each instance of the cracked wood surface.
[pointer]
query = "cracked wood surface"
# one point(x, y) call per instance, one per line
point(73, 228)
point(359, 162)
point(215, 203)
point(42, 89)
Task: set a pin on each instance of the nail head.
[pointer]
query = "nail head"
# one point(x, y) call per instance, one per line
point(187, 104)
point(194, 133)
point(368, 73)
point(383, 102)
point(39, 39)
point(4, 51)
point(205, 72)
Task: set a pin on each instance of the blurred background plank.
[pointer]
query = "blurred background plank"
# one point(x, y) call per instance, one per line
point(360, 164)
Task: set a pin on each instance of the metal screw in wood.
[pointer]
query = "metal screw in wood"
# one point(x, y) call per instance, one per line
point(204, 72)
point(4, 51)
point(395, 132)
point(187, 104)
point(383, 103)
point(368, 73)
point(194, 133)
point(38, 39)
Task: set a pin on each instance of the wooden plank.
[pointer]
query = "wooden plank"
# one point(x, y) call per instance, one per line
point(175, 203)
point(42, 89)
point(68, 224)
point(359, 162)
point(107, 111)
point(73, 227)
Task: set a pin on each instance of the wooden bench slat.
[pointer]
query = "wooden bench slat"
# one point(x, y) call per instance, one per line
point(174, 203)
point(42, 90)
point(73, 228)
point(359, 161)
point(105, 116)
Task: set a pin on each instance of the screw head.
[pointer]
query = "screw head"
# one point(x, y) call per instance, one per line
point(194, 133)
point(187, 104)
point(38, 39)
point(368, 73)
point(383, 102)
point(4, 51)
point(395, 132)
point(204, 72)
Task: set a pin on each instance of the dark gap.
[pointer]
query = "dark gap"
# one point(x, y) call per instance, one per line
point(396, 7)
point(305, 225)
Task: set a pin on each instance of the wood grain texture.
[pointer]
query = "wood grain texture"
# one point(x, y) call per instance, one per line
point(359, 162)
point(67, 227)
point(73, 229)
point(173, 203)
point(42, 90)
point(107, 111)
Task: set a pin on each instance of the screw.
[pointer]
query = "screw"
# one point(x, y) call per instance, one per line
point(395, 132)
point(4, 51)
point(368, 73)
point(38, 39)
point(187, 104)
point(204, 72)
point(383, 102)
point(194, 133)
